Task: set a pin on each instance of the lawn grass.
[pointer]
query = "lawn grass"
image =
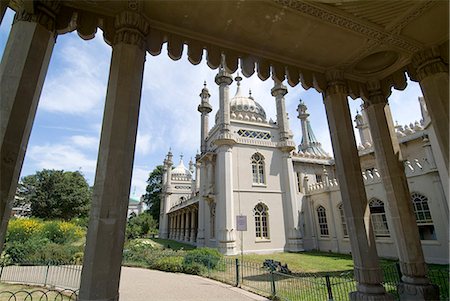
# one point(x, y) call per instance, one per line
point(171, 244)
point(10, 292)
point(305, 262)
point(314, 261)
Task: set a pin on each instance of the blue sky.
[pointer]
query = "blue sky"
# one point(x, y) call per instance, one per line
point(66, 129)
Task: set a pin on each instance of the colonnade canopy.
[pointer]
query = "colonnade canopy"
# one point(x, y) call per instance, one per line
point(297, 40)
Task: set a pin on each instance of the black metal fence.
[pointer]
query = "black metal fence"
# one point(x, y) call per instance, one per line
point(309, 286)
point(248, 275)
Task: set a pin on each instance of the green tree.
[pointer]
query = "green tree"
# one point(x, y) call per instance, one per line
point(141, 225)
point(55, 194)
point(152, 197)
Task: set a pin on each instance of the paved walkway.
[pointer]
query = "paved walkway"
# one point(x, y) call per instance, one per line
point(147, 285)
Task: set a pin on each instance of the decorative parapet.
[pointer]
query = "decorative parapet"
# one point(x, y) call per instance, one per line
point(182, 203)
point(413, 168)
point(404, 133)
point(311, 155)
point(409, 130)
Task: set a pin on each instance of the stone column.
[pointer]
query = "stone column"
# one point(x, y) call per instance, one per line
point(224, 179)
point(200, 235)
point(177, 226)
point(187, 228)
point(406, 234)
point(3, 7)
point(432, 73)
point(182, 226)
point(193, 226)
point(22, 72)
point(294, 241)
point(367, 269)
point(104, 244)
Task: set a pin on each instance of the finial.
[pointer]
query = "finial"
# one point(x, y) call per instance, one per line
point(181, 157)
point(250, 94)
point(204, 83)
point(238, 79)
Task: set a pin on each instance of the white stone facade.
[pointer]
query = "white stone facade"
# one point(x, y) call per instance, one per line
point(291, 198)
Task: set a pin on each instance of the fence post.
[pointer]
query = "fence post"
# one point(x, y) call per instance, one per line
point(399, 271)
point(330, 292)
point(46, 274)
point(1, 272)
point(272, 280)
point(237, 272)
point(209, 266)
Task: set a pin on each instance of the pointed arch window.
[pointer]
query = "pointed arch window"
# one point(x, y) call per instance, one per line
point(378, 216)
point(423, 216)
point(343, 221)
point(322, 218)
point(258, 169)
point(261, 213)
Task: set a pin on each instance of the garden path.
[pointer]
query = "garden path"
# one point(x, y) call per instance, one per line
point(147, 285)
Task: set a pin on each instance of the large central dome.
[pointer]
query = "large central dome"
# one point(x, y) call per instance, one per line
point(246, 108)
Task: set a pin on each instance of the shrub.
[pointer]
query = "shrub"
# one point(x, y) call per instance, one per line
point(22, 252)
point(169, 264)
point(61, 232)
point(22, 229)
point(194, 268)
point(54, 254)
point(205, 256)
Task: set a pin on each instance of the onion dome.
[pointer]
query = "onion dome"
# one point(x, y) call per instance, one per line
point(246, 108)
point(180, 171)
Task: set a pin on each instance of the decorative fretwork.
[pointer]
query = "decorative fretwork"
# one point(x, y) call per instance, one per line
point(254, 134)
point(183, 187)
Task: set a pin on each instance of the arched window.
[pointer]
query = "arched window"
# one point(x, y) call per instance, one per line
point(343, 221)
point(212, 220)
point(322, 218)
point(423, 216)
point(378, 216)
point(258, 169)
point(261, 213)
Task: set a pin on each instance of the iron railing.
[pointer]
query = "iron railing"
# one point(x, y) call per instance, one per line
point(39, 295)
point(334, 286)
point(60, 276)
point(248, 275)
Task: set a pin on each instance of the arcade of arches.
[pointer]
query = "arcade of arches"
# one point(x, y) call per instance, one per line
point(343, 48)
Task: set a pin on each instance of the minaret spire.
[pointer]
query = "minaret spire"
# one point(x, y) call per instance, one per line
point(309, 142)
point(204, 108)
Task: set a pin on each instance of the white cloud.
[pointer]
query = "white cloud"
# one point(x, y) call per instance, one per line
point(78, 85)
point(86, 142)
point(139, 180)
point(61, 156)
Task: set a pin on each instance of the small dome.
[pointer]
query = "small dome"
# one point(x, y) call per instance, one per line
point(134, 199)
point(181, 170)
point(246, 108)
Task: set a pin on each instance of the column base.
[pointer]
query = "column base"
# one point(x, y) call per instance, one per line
point(227, 247)
point(95, 299)
point(200, 242)
point(360, 296)
point(295, 245)
point(414, 292)
point(370, 292)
